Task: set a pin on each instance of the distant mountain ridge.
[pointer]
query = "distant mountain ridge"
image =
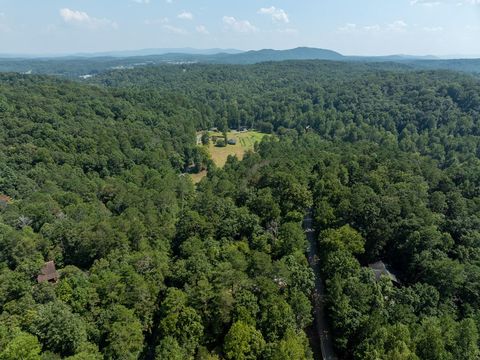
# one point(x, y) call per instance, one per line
point(91, 64)
point(300, 53)
point(226, 55)
point(125, 53)
point(153, 52)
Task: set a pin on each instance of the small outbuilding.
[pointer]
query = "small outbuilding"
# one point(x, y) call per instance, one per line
point(48, 273)
point(232, 141)
point(380, 269)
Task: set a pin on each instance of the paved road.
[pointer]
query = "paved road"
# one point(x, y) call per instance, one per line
point(319, 293)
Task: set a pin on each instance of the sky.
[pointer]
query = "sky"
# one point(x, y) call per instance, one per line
point(352, 27)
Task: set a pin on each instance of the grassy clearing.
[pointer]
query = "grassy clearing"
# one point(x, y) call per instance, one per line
point(245, 142)
point(196, 178)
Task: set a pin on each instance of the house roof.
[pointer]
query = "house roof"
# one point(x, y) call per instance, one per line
point(48, 272)
point(380, 269)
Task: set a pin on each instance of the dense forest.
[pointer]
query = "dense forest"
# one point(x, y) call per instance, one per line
point(92, 177)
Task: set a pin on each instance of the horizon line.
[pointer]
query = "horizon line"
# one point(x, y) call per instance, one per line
point(168, 50)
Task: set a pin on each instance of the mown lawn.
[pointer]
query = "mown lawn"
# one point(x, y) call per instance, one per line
point(245, 142)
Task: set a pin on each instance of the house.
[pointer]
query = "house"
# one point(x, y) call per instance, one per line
point(232, 141)
point(380, 269)
point(48, 273)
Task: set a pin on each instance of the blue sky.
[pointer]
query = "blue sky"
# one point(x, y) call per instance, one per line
point(364, 27)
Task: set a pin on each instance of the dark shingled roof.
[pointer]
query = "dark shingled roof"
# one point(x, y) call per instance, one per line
point(380, 269)
point(48, 273)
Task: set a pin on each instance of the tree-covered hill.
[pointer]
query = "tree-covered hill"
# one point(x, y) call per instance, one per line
point(88, 65)
point(348, 102)
point(150, 267)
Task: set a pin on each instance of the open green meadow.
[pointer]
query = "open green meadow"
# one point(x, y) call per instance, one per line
point(245, 141)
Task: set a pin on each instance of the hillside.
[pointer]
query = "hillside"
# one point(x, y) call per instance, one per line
point(91, 65)
point(254, 57)
point(150, 266)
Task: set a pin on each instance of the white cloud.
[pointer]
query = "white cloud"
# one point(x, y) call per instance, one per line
point(241, 26)
point(288, 31)
point(397, 26)
point(74, 16)
point(427, 3)
point(142, 1)
point(185, 15)
point(174, 30)
point(372, 28)
point(348, 28)
point(202, 30)
point(278, 15)
point(81, 18)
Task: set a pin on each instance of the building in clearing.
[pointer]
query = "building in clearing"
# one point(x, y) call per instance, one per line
point(48, 273)
point(232, 141)
point(380, 269)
